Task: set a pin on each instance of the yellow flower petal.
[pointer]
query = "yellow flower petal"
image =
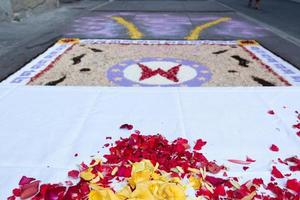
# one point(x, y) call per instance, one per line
point(250, 196)
point(114, 171)
point(143, 165)
point(87, 175)
point(171, 191)
point(138, 177)
point(105, 194)
point(124, 193)
point(180, 169)
point(195, 182)
point(142, 192)
point(196, 171)
point(235, 184)
point(95, 187)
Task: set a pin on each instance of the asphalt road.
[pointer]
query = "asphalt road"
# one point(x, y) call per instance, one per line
point(280, 14)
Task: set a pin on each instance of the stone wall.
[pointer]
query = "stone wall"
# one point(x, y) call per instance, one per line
point(11, 9)
point(5, 10)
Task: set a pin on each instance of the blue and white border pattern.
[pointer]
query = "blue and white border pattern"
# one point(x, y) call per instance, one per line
point(278, 65)
point(25, 74)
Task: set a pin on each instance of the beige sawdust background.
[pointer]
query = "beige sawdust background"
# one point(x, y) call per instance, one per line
point(100, 62)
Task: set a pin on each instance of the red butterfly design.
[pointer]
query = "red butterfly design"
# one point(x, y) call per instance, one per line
point(171, 74)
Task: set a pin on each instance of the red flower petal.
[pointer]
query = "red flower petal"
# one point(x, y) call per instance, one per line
point(220, 190)
point(287, 175)
point(241, 162)
point(213, 168)
point(29, 190)
point(258, 181)
point(298, 133)
point(199, 144)
point(294, 185)
point(249, 159)
point(297, 126)
point(245, 168)
point(282, 162)
point(295, 168)
point(17, 192)
point(25, 180)
point(214, 180)
point(275, 172)
point(126, 126)
point(73, 174)
point(271, 112)
point(274, 148)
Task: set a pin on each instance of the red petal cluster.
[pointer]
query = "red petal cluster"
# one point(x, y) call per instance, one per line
point(294, 163)
point(169, 155)
point(158, 149)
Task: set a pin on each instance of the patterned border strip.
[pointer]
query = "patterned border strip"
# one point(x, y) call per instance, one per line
point(25, 74)
point(157, 42)
point(276, 64)
point(32, 69)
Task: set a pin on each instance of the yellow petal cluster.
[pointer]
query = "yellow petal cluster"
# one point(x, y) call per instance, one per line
point(144, 184)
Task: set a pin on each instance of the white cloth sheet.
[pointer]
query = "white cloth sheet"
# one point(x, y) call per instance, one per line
point(41, 128)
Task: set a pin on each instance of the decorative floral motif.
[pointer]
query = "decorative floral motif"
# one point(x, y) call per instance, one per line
point(159, 72)
point(169, 74)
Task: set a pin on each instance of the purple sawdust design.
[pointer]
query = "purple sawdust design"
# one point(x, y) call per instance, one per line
point(233, 27)
point(240, 28)
point(160, 25)
point(97, 25)
point(163, 25)
point(116, 72)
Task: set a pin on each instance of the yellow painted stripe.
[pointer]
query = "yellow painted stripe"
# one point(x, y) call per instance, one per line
point(195, 33)
point(133, 31)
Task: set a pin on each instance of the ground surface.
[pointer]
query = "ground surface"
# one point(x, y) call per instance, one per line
point(21, 41)
point(136, 65)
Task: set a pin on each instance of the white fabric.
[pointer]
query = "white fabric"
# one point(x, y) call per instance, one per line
point(43, 127)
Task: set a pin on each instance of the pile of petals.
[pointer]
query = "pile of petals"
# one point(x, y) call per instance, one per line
point(149, 167)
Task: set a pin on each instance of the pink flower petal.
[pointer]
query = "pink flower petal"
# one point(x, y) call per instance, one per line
point(248, 159)
point(73, 174)
point(29, 190)
point(241, 162)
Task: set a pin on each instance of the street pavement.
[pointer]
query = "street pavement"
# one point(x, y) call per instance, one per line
point(280, 14)
point(21, 41)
